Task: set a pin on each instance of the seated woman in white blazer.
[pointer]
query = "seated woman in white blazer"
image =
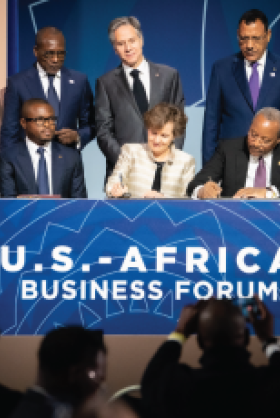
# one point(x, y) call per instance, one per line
point(155, 169)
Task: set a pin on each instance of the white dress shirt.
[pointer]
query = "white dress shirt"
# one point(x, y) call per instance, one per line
point(35, 156)
point(260, 67)
point(45, 81)
point(57, 86)
point(251, 172)
point(144, 75)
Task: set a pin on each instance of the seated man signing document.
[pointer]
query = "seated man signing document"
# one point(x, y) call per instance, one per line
point(247, 167)
point(154, 169)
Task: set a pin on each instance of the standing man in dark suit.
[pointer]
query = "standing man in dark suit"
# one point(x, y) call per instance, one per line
point(38, 165)
point(67, 91)
point(241, 84)
point(124, 94)
point(247, 167)
point(227, 384)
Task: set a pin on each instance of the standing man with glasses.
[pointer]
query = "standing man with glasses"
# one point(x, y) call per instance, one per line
point(68, 92)
point(37, 165)
point(241, 84)
point(124, 94)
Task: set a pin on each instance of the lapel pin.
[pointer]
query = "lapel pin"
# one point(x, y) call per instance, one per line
point(278, 162)
point(274, 69)
point(71, 81)
point(157, 74)
point(60, 156)
point(272, 74)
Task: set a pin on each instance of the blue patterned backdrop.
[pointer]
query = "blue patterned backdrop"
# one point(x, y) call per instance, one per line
point(95, 229)
point(188, 35)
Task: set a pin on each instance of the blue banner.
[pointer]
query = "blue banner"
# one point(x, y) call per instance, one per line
point(130, 266)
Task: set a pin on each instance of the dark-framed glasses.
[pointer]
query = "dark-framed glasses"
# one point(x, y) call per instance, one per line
point(254, 39)
point(42, 121)
point(52, 54)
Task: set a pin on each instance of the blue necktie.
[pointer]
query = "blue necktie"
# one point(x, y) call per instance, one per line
point(52, 95)
point(42, 176)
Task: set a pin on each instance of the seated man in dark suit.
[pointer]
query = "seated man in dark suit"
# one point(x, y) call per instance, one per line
point(72, 368)
point(39, 165)
point(246, 167)
point(67, 91)
point(227, 384)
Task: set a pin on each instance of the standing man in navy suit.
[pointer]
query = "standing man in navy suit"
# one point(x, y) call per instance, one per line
point(38, 165)
point(241, 84)
point(68, 92)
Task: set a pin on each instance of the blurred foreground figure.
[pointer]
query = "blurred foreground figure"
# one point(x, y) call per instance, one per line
point(227, 384)
point(72, 367)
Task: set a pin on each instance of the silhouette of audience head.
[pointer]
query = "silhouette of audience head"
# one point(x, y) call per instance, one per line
point(220, 323)
point(72, 363)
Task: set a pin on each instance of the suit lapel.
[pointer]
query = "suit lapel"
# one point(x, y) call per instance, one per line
point(34, 85)
point(57, 168)
point(240, 76)
point(155, 84)
point(66, 94)
point(123, 84)
point(241, 159)
point(268, 81)
point(275, 167)
point(26, 167)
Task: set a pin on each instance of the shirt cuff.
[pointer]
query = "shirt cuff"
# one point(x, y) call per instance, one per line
point(177, 336)
point(271, 349)
point(272, 193)
point(195, 192)
point(78, 143)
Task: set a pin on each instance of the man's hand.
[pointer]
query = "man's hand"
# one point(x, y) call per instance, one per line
point(187, 323)
point(152, 194)
point(251, 193)
point(210, 190)
point(118, 190)
point(67, 136)
point(263, 326)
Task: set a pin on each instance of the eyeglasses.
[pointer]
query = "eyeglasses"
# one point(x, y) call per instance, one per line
point(254, 39)
point(42, 121)
point(52, 54)
point(254, 137)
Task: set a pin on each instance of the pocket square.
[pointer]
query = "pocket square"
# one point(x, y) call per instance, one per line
point(272, 74)
point(71, 81)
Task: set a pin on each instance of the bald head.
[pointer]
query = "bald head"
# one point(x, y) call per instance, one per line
point(49, 32)
point(221, 324)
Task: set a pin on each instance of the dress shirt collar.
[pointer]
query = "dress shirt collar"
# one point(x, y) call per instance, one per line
point(42, 72)
point(261, 61)
point(170, 158)
point(266, 157)
point(32, 147)
point(143, 68)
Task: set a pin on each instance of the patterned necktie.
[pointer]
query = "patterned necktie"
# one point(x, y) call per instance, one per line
point(254, 84)
point(52, 95)
point(42, 176)
point(260, 176)
point(139, 92)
